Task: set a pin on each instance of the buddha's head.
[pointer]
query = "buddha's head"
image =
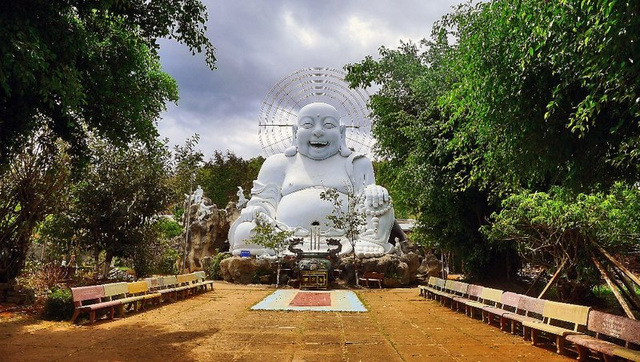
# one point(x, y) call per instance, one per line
point(318, 133)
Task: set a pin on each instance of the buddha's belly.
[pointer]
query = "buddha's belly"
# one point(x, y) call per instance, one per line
point(302, 208)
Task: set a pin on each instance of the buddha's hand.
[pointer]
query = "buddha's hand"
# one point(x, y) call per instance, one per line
point(375, 196)
point(251, 213)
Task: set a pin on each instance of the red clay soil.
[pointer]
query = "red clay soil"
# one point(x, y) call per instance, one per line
point(219, 326)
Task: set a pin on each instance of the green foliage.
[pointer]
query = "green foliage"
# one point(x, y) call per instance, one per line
point(58, 305)
point(213, 272)
point(528, 95)
point(223, 173)
point(186, 163)
point(168, 228)
point(548, 228)
point(349, 218)
point(33, 186)
point(87, 66)
point(269, 235)
point(115, 203)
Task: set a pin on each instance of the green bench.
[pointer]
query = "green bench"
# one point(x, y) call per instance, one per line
point(559, 320)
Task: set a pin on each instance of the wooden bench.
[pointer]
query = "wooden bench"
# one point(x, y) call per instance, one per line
point(91, 299)
point(435, 288)
point(372, 276)
point(617, 329)
point(460, 291)
point(529, 309)
point(201, 280)
point(508, 303)
point(560, 320)
point(138, 295)
point(184, 285)
point(488, 297)
point(474, 293)
point(117, 292)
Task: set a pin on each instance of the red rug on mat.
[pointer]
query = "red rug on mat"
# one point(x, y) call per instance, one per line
point(311, 299)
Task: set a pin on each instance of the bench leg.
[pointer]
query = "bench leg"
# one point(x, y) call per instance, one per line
point(92, 316)
point(583, 353)
point(76, 313)
point(608, 358)
point(112, 312)
point(534, 336)
point(560, 344)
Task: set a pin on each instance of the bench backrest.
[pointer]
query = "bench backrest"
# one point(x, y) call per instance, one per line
point(153, 283)
point(509, 300)
point(440, 283)
point(87, 294)
point(432, 281)
point(462, 288)
point(200, 275)
point(531, 307)
point(169, 281)
point(373, 275)
point(475, 291)
point(450, 285)
point(138, 287)
point(491, 296)
point(115, 289)
point(183, 279)
point(616, 326)
point(577, 315)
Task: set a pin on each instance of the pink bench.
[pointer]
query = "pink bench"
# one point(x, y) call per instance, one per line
point(91, 299)
point(623, 330)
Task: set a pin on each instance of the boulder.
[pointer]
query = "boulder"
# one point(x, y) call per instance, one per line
point(430, 266)
point(247, 270)
point(398, 270)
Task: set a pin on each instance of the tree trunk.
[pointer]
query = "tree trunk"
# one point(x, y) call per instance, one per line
point(355, 268)
point(278, 273)
point(107, 264)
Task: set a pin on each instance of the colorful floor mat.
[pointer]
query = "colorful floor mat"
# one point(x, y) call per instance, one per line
point(329, 301)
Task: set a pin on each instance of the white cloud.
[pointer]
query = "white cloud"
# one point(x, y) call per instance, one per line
point(305, 35)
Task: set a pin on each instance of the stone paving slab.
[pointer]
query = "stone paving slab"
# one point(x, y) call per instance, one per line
point(220, 326)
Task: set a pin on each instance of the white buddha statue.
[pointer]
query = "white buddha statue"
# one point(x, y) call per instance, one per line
point(287, 191)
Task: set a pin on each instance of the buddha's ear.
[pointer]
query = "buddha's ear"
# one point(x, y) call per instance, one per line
point(344, 150)
point(293, 149)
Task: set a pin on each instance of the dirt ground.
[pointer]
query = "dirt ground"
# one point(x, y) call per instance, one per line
point(219, 326)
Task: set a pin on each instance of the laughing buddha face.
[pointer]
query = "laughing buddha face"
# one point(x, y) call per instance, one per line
point(319, 133)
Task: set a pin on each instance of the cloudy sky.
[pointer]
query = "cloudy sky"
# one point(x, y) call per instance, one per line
point(258, 43)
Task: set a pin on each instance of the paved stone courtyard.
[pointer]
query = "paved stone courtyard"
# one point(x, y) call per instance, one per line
point(220, 326)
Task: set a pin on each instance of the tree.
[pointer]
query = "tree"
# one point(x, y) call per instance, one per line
point(416, 137)
point(349, 218)
point(529, 95)
point(270, 236)
point(89, 66)
point(116, 202)
point(187, 161)
point(223, 173)
point(559, 228)
point(33, 187)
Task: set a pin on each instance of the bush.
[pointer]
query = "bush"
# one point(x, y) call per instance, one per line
point(59, 304)
point(213, 271)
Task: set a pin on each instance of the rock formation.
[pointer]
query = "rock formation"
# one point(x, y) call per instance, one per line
point(208, 229)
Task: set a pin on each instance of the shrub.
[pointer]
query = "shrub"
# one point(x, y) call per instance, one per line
point(213, 271)
point(59, 304)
